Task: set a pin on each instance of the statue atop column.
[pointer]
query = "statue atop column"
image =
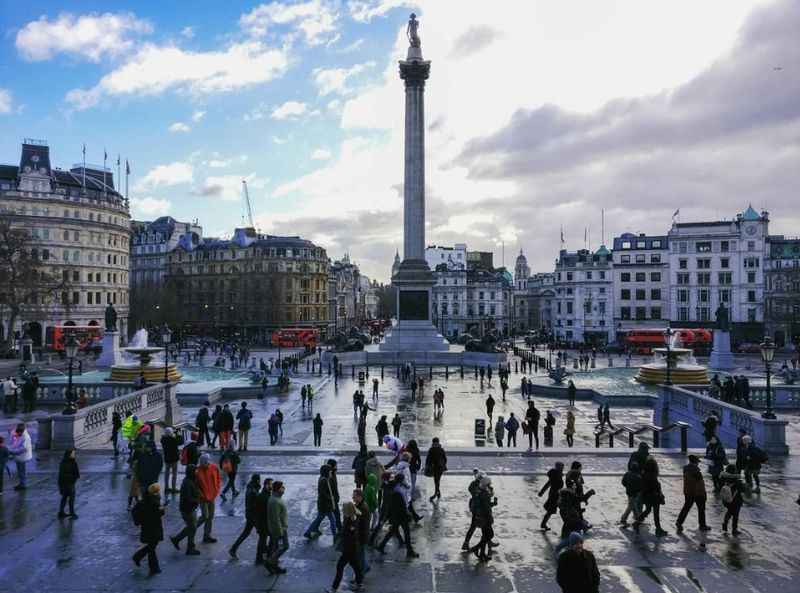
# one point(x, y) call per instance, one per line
point(722, 318)
point(411, 31)
point(111, 318)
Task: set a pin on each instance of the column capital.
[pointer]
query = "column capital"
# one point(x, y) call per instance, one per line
point(415, 72)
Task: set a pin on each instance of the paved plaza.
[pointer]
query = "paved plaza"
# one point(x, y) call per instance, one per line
point(93, 552)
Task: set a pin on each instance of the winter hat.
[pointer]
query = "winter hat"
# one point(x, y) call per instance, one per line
point(168, 431)
point(732, 469)
point(205, 459)
point(694, 459)
point(154, 489)
point(746, 439)
point(574, 538)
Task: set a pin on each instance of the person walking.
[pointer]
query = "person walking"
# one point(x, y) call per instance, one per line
point(116, 428)
point(532, 417)
point(201, 421)
point(251, 493)
point(754, 457)
point(261, 520)
point(21, 447)
point(147, 515)
point(715, 452)
point(632, 482)
point(607, 416)
point(216, 425)
point(732, 494)
point(209, 482)
point(229, 462)
point(694, 493)
point(549, 428)
point(555, 482)
point(317, 424)
point(569, 431)
point(435, 466)
point(512, 426)
point(171, 454)
point(490, 407)
point(324, 505)
point(398, 515)
point(396, 423)
point(375, 384)
point(245, 419)
point(149, 463)
point(350, 549)
point(226, 425)
point(473, 489)
point(189, 500)
point(334, 480)
point(68, 475)
point(278, 528)
point(571, 393)
point(499, 431)
point(364, 519)
point(577, 568)
point(382, 429)
point(600, 422)
point(652, 497)
point(484, 502)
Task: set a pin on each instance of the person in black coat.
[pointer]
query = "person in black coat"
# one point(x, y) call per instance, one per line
point(250, 502)
point(382, 428)
point(116, 428)
point(731, 480)
point(350, 547)
point(325, 504)
point(652, 496)
point(68, 475)
point(555, 482)
point(435, 466)
point(577, 568)
point(187, 504)
point(532, 417)
point(398, 517)
point(216, 424)
point(202, 420)
point(148, 514)
point(148, 465)
point(261, 519)
point(170, 447)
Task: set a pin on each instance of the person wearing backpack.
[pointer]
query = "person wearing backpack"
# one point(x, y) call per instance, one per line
point(652, 497)
point(229, 463)
point(169, 447)
point(694, 492)
point(190, 454)
point(188, 502)
point(147, 515)
point(732, 498)
point(632, 481)
point(753, 458)
point(245, 419)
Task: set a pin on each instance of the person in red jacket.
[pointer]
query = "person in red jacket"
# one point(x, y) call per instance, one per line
point(209, 481)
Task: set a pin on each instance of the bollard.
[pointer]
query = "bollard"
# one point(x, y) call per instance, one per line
point(430, 372)
point(597, 440)
point(684, 439)
point(353, 371)
point(329, 369)
point(446, 372)
point(630, 439)
point(381, 372)
point(306, 365)
point(476, 372)
point(367, 373)
point(515, 367)
point(656, 439)
point(611, 440)
point(461, 371)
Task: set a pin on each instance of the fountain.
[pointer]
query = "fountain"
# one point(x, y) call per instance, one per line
point(143, 363)
point(683, 368)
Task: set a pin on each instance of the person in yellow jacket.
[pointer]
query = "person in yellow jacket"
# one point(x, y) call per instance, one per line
point(130, 429)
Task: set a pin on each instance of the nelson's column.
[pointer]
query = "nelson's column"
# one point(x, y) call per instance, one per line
point(414, 331)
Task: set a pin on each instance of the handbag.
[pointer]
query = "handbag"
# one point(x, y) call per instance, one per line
point(227, 466)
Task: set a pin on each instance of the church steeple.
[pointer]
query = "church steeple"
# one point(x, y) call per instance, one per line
point(396, 264)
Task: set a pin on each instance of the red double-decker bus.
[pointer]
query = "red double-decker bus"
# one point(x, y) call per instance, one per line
point(88, 336)
point(294, 337)
point(642, 341)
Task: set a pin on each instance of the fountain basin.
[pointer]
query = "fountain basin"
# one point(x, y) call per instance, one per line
point(681, 370)
point(152, 372)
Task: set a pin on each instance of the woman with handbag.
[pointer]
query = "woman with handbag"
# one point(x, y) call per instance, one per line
point(652, 496)
point(435, 466)
point(229, 463)
point(569, 431)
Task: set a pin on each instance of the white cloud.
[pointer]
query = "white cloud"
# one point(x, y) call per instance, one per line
point(5, 101)
point(198, 115)
point(90, 36)
point(154, 70)
point(229, 187)
point(281, 140)
point(217, 163)
point(166, 175)
point(150, 206)
point(352, 47)
point(315, 19)
point(321, 154)
point(187, 32)
point(289, 110)
point(179, 126)
point(365, 10)
point(334, 80)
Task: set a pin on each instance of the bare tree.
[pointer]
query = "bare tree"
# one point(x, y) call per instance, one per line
point(28, 287)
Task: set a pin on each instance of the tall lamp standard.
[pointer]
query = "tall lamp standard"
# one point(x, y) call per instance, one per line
point(71, 350)
point(668, 333)
point(166, 336)
point(767, 354)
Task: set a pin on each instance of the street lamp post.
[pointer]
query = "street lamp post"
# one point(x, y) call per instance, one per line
point(71, 349)
point(668, 333)
point(166, 336)
point(767, 354)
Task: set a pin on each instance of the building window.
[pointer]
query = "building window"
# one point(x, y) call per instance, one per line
point(625, 259)
point(703, 278)
point(724, 246)
point(657, 245)
point(703, 295)
point(640, 259)
point(655, 294)
point(626, 244)
point(655, 312)
point(655, 276)
point(682, 247)
point(588, 275)
point(641, 294)
point(751, 315)
point(724, 277)
point(751, 277)
point(625, 294)
point(683, 264)
point(641, 245)
point(703, 313)
point(703, 246)
point(683, 313)
point(704, 264)
point(751, 296)
point(601, 307)
point(683, 277)
point(641, 313)
point(569, 307)
point(625, 277)
point(89, 298)
point(724, 296)
point(655, 258)
point(602, 275)
point(625, 312)
point(724, 262)
point(683, 296)
point(641, 277)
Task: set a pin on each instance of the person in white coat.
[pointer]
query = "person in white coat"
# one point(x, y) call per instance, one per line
point(21, 448)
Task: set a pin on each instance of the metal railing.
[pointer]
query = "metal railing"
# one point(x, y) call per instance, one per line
point(633, 432)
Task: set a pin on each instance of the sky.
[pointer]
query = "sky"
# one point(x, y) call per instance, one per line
point(540, 115)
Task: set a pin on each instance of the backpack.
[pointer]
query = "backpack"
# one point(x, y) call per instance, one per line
point(137, 513)
point(727, 494)
point(185, 456)
point(760, 456)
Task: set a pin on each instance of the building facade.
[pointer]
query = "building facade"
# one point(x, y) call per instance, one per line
point(719, 262)
point(641, 282)
point(250, 285)
point(584, 290)
point(151, 243)
point(79, 226)
point(782, 291)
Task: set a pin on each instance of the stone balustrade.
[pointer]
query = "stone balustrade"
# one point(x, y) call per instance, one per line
point(90, 427)
point(786, 397)
point(52, 393)
point(690, 404)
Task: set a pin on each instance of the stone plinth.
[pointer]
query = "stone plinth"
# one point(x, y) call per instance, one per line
point(721, 355)
point(110, 354)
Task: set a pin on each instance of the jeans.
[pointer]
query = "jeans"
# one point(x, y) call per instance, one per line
point(189, 529)
point(248, 529)
point(278, 544)
point(344, 561)
point(317, 439)
point(635, 505)
point(362, 558)
point(533, 435)
point(687, 506)
point(243, 434)
point(656, 508)
point(170, 468)
point(231, 485)
point(22, 472)
point(67, 498)
point(511, 438)
point(732, 512)
point(148, 550)
point(206, 518)
point(318, 521)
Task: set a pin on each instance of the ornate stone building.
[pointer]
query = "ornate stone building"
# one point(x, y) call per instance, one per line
point(152, 241)
point(250, 285)
point(782, 290)
point(80, 229)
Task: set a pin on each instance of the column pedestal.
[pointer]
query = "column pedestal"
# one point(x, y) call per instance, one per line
point(721, 355)
point(110, 354)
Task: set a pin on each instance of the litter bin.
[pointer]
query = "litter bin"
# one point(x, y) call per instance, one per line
point(480, 428)
point(44, 433)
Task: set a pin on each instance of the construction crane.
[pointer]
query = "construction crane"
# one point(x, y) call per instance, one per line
point(247, 202)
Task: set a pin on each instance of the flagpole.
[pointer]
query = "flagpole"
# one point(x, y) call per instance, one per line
point(603, 225)
point(127, 175)
point(119, 174)
point(84, 167)
point(105, 160)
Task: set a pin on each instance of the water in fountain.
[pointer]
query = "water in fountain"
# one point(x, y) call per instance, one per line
point(139, 339)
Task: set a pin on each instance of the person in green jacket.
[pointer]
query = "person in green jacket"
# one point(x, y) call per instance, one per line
point(371, 498)
point(278, 527)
